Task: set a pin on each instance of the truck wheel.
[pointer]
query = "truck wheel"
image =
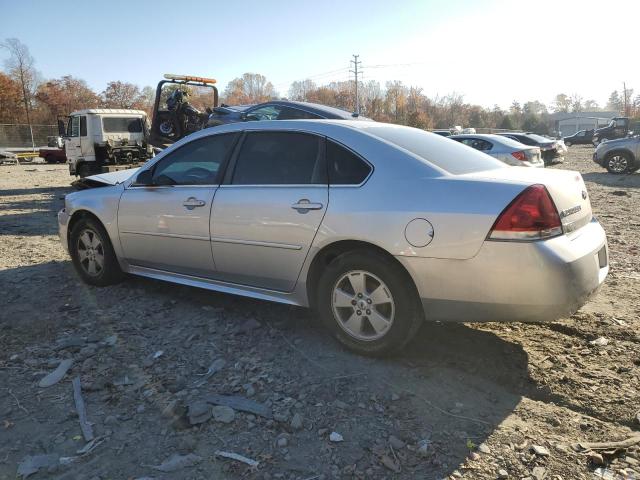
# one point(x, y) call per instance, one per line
point(618, 163)
point(368, 302)
point(83, 170)
point(92, 254)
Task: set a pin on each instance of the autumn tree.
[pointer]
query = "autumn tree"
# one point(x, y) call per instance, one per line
point(21, 67)
point(250, 88)
point(10, 99)
point(615, 103)
point(122, 95)
point(300, 89)
point(591, 106)
point(64, 95)
point(562, 103)
point(576, 103)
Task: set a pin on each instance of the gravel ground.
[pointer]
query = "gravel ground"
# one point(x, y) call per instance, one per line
point(464, 401)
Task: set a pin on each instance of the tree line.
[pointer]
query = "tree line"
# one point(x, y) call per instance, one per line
point(26, 97)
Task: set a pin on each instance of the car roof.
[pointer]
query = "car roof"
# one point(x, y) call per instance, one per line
point(323, 110)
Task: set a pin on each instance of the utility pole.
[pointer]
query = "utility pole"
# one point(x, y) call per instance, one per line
point(355, 71)
point(626, 108)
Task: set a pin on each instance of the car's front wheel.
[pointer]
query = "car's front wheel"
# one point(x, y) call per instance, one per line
point(618, 163)
point(92, 253)
point(369, 303)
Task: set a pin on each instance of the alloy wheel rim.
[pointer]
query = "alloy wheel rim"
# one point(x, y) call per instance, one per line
point(618, 163)
point(90, 252)
point(363, 305)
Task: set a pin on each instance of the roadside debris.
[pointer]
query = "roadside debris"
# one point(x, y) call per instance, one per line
point(177, 462)
point(626, 443)
point(214, 368)
point(33, 463)
point(199, 412)
point(540, 450)
point(336, 437)
point(57, 375)
point(240, 403)
point(87, 431)
point(238, 458)
point(599, 342)
point(223, 414)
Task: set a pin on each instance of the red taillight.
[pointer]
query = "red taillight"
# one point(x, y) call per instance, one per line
point(531, 216)
point(519, 156)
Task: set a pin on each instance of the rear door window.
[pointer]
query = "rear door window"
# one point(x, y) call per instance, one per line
point(279, 158)
point(345, 167)
point(295, 114)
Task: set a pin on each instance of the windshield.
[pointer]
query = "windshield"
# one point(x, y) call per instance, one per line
point(448, 155)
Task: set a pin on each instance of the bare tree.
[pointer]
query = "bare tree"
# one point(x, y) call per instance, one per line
point(20, 66)
point(299, 90)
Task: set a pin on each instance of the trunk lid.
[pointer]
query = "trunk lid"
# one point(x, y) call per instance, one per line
point(566, 187)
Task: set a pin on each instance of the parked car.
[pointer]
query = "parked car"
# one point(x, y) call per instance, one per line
point(53, 155)
point(619, 156)
point(277, 110)
point(377, 226)
point(504, 149)
point(442, 133)
point(583, 137)
point(553, 151)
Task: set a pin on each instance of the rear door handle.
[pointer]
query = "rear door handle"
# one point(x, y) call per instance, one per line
point(193, 202)
point(304, 205)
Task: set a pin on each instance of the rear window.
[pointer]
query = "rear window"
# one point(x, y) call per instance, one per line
point(538, 138)
point(121, 125)
point(442, 152)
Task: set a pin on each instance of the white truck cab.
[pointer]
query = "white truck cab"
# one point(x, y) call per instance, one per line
point(98, 137)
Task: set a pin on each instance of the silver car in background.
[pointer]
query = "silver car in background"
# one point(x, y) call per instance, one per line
point(504, 149)
point(377, 227)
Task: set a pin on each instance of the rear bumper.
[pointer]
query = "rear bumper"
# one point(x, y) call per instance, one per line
point(514, 281)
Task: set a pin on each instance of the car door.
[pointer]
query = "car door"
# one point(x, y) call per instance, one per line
point(266, 214)
point(72, 139)
point(84, 141)
point(165, 225)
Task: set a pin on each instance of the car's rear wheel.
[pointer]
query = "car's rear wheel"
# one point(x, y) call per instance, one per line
point(618, 163)
point(92, 253)
point(369, 303)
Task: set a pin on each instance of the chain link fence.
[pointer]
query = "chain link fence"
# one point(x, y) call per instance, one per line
point(19, 136)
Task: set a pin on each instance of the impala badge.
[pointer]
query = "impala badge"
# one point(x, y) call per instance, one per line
point(570, 211)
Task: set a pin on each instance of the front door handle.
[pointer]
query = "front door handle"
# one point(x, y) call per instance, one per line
point(193, 202)
point(304, 205)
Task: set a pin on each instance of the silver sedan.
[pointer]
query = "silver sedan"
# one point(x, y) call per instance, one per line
point(378, 227)
point(504, 149)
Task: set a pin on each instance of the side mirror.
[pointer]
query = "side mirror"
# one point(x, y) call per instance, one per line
point(144, 178)
point(243, 117)
point(61, 129)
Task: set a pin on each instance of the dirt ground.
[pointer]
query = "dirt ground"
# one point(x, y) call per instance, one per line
point(464, 401)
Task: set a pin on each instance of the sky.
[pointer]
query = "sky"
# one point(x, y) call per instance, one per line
point(490, 51)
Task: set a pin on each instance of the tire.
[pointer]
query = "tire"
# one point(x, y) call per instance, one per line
point(568, 144)
point(83, 170)
point(353, 325)
point(90, 237)
point(50, 159)
point(618, 163)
